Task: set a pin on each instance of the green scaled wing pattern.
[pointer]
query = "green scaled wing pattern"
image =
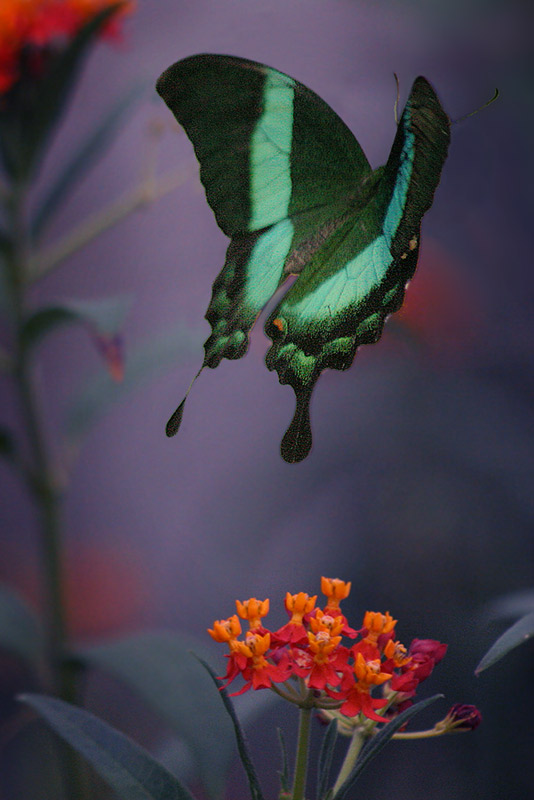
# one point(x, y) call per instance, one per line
point(291, 187)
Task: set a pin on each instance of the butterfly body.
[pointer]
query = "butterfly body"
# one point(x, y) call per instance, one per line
point(292, 188)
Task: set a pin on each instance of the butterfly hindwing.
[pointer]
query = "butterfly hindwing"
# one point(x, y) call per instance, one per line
point(359, 275)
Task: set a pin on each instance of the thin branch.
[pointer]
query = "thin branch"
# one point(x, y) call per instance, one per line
point(144, 194)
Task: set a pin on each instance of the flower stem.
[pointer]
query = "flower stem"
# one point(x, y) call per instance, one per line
point(351, 756)
point(301, 760)
point(39, 477)
point(41, 483)
point(428, 734)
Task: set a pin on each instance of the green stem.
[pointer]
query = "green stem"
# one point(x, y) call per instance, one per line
point(428, 734)
point(41, 484)
point(351, 756)
point(39, 478)
point(301, 760)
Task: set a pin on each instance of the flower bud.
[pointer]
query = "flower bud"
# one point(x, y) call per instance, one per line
point(463, 717)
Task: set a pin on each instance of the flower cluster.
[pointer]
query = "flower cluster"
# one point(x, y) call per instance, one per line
point(32, 30)
point(376, 673)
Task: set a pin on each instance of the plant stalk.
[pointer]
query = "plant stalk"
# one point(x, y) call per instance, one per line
point(41, 483)
point(301, 760)
point(146, 192)
point(351, 757)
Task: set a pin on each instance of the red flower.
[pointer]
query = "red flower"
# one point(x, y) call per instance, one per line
point(430, 647)
point(358, 700)
point(258, 672)
point(30, 30)
point(424, 655)
point(298, 606)
point(368, 674)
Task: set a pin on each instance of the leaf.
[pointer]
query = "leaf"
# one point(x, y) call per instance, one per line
point(520, 632)
point(375, 745)
point(325, 759)
point(91, 148)
point(20, 632)
point(248, 765)
point(162, 670)
point(284, 772)
point(103, 317)
point(127, 767)
point(32, 107)
point(100, 391)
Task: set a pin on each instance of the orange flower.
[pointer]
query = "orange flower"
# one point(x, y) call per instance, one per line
point(334, 590)
point(358, 698)
point(368, 673)
point(253, 610)
point(377, 625)
point(298, 605)
point(258, 671)
point(329, 659)
point(325, 622)
point(225, 630)
point(397, 653)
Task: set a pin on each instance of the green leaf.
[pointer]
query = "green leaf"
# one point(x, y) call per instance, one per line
point(375, 745)
point(142, 364)
point(42, 322)
point(20, 632)
point(253, 782)
point(127, 767)
point(284, 772)
point(325, 759)
point(103, 317)
point(32, 107)
point(162, 670)
point(91, 148)
point(520, 632)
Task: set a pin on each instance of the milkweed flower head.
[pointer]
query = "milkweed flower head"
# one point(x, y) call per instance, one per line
point(317, 660)
point(31, 31)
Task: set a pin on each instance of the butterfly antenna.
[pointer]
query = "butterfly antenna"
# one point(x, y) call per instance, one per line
point(472, 113)
point(396, 106)
point(172, 426)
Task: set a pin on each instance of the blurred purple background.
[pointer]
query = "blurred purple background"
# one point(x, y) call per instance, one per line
point(419, 486)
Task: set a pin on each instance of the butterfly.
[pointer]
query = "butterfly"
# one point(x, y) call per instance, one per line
point(292, 188)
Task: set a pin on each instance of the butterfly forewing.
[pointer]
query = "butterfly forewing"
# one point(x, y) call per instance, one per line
point(273, 157)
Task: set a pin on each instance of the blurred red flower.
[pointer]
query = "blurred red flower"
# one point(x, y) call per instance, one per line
point(29, 29)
